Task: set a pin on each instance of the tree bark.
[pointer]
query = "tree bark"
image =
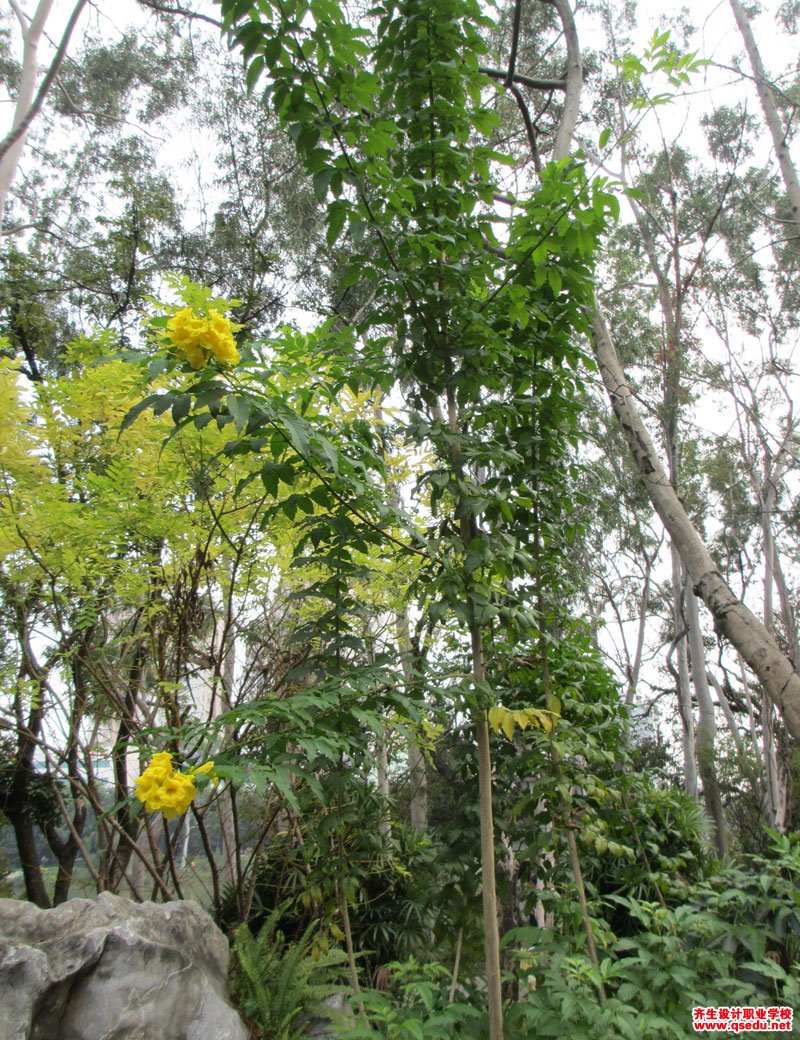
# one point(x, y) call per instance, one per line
point(574, 82)
point(706, 732)
point(25, 837)
point(775, 781)
point(772, 117)
point(29, 105)
point(491, 936)
point(724, 704)
point(416, 760)
point(31, 36)
point(732, 618)
point(681, 677)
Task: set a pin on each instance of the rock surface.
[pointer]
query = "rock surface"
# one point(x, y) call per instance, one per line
point(112, 969)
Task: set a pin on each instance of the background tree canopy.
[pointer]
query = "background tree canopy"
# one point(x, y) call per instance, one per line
point(435, 612)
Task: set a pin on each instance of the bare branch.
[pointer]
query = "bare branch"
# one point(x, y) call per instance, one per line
point(151, 5)
point(512, 60)
point(526, 81)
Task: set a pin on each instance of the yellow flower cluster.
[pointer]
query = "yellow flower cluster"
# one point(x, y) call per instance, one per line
point(163, 790)
point(197, 337)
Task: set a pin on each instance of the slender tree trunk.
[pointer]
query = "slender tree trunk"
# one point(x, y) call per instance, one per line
point(186, 825)
point(751, 711)
point(65, 852)
point(731, 617)
point(772, 118)
point(725, 706)
point(224, 801)
point(119, 862)
point(25, 836)
point(788, 613)
point(706, 734)
point(31, 37)
point(382, 766)
point(574, 77)
point(417, 771)
point(491, 936)
point(29, 101)
point(776, 787)
point(682, 680)
point(636, 665)
point(31, 678)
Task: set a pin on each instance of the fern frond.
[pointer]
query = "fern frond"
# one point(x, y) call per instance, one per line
point(279, 985)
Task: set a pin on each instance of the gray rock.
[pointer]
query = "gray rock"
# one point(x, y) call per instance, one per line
point(337, 1012)
point(112, 969)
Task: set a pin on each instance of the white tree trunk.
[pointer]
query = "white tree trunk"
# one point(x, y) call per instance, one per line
point(574, 78)
point(776, 782)
point(31, 38)
point(724, 704)
point(681, 675)
point(706, 733)
point(772, 118)
point(731, 617)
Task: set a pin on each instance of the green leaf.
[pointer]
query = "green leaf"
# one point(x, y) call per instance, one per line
point(239, 409)
point(337, 214)
point(298, 435)
point(133, 413)
point(254, 71)
point(322, 180)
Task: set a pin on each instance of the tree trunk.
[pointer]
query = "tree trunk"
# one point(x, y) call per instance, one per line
point(24, 833)
point(706, 733)
point(382, 766)
point(772, 118)
point(731, 617)
point(776, 787)
point(66, 852)
point(682, 680)
point(31, 36)
point(491, 936)
point(225, 805)
point(574, 79)
point(417, 772)
point(725, 706)
point(28, 105)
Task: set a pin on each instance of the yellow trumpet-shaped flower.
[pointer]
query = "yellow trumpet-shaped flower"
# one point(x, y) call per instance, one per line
point(161, 789)
point(196, 338)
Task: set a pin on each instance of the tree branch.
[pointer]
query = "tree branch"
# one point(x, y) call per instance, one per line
point(526, 81)
point(163, 9)
point(512, 59)
point(22, 127)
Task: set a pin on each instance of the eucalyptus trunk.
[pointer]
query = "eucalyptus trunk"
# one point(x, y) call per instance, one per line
point(706, 733)
point(732, 619)
point(776, 786)
point(680, 674)
point(30, 100)
point(780, 137)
